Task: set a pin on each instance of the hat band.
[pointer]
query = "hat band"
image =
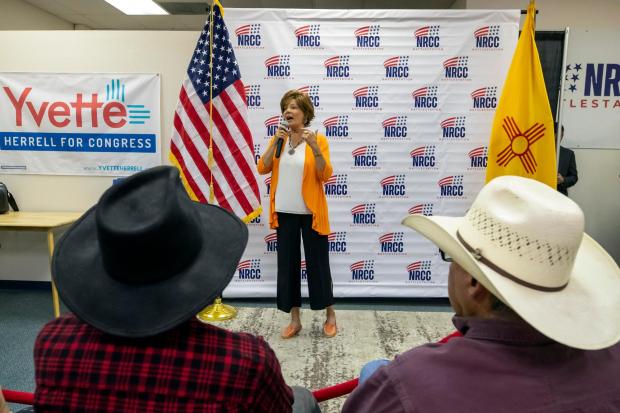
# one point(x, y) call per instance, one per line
point(478, 256)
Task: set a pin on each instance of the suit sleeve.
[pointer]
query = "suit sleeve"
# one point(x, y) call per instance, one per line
point(571, 177)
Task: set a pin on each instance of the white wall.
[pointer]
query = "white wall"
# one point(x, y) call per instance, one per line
point(598, 189)
point(19, 15)
point(22, 254)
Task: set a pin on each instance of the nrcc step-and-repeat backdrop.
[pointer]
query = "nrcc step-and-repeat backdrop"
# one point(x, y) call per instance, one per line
point(406, 99)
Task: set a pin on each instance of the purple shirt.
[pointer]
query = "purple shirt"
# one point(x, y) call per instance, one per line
point(498, 366)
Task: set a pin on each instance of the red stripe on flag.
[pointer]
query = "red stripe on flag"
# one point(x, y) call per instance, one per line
point(220, 162)
point(188, 176)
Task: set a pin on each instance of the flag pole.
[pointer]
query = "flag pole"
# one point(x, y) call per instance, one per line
point(218, 311)
point(560, 111)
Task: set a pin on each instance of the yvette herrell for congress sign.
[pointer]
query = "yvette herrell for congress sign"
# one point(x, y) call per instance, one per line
point(79, 124)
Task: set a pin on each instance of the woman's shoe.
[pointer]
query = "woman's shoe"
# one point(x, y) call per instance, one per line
point(290, 331)
point(330, 330)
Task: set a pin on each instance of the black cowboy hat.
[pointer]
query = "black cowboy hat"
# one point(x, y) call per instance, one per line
point(146, 257)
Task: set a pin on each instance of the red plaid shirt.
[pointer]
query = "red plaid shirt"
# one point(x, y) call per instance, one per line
point(193, 368)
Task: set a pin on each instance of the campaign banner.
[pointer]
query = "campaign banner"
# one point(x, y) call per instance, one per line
point(591, 99)
point(79, 124)
point(406, 99)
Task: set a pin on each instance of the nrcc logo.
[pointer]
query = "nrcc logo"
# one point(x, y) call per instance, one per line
point(267, 186)
point(278, 67)
point(451, 186)
point(393, 186)
point(271, 242)
point(420, 271)
point(391, 243)
point(313, 94)
point(366, 97)
point(337, 67)
point(364, 214)
point(487, 37)
point(425, 98)
point(368, 37)
point(425, 209)
point(256, 221)
point(249, 270)
point(423, 157)
point(478, 157)
point(427, 37)
point(252, 96)
point(337, 242)
point(303, 272)
point(456, 68)
point(337, 126)
point(257, 152)
point(272, 123)
point(308, 36)
point(396, 67)
point(484, 98)
point(365, 157)
point(453, 127)
point(249, 35)
point(336, 186)
point(363, 270)
point(395, 127)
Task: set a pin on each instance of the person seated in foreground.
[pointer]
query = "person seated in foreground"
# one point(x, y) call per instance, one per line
point(135, 270)
point(537, 301)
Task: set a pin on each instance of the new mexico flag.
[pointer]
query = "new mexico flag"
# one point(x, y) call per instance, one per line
point(522, 140)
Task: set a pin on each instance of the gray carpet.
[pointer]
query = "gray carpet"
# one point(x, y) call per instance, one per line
point(314, 361)
point(309, 359)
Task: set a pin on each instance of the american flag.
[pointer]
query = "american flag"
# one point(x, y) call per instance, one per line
point(365, 150)
point(490, 91)
point(419, 265)
point(336, 61)
point(394, 121)
point(427, 31)
point(211, 120)
point(397, 61)
point(424, 209)
point(425, 91)
point(428, 150)
point(458, 61)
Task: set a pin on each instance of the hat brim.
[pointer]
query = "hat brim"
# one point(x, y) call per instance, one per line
point(105, 303)
point(585, 314)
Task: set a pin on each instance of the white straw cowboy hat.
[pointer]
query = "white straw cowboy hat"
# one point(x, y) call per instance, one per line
point(525, 243)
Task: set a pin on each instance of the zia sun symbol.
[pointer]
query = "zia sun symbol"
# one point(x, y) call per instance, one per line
point(520, 143)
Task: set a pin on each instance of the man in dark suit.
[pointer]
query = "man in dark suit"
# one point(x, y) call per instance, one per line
point(567, 167)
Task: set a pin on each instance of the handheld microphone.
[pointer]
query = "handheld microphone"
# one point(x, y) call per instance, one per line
point(280, 142)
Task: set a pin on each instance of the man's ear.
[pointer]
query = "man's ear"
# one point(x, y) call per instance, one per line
point(476, 290)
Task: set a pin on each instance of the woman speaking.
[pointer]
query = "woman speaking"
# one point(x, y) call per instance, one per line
point(298, 160)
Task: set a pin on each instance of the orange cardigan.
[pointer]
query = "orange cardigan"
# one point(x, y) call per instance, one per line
point(311, 186)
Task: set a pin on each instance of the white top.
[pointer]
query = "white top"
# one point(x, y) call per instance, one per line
point(288, 193)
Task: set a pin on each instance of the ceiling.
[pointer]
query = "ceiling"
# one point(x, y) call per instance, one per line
point(190, 14)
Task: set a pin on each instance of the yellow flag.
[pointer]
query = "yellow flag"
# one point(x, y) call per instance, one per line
point(522, 140)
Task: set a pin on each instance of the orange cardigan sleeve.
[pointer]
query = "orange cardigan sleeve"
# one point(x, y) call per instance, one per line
point(262, 169)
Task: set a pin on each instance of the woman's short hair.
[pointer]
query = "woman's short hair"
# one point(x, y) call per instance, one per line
point(302, 100)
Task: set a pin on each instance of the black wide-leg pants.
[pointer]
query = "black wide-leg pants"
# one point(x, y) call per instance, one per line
point(320, 289)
